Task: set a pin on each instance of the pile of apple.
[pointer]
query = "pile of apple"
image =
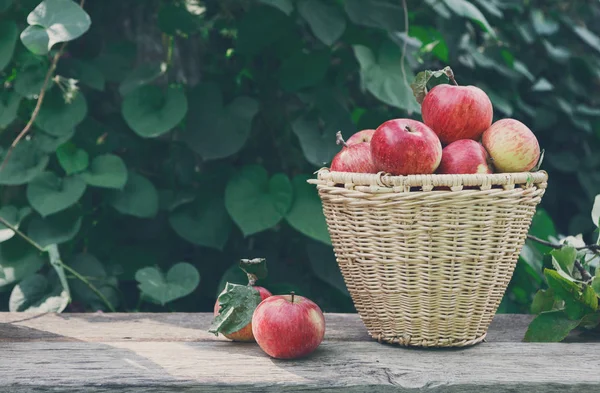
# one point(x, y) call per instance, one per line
point(284, 326)
point(457, 117)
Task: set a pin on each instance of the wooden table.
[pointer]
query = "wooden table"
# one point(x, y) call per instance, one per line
point(154, 353)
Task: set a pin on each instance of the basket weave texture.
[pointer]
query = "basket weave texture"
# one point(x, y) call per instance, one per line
point(427, 258)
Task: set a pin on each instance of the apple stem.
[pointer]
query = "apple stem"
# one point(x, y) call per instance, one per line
point(450, 75)
point(251, 279)
point(407, 128)
point(339, 139)
point(292, 293)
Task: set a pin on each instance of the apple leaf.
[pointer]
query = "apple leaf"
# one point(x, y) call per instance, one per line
point(419, 86)
point(236, 306)
point(542, 301)
point(550, 326)
point(596, 211)
point(256, 268)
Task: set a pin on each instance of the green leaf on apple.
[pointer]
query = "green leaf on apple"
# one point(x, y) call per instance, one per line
point(539, 163)
point(256, 269)
point(236, 306)
point(419, 86)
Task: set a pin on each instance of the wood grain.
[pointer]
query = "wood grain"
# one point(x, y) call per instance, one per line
point(172, 353)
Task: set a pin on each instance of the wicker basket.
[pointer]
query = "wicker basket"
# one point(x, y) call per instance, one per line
point(427, 258)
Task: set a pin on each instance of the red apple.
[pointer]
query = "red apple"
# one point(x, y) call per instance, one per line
point(405, 147)
point(360, 136)
point(464, 156)
point(245, 333)
point(512, 145)
point(353, 158)
point(457, 112)
point(288, 326)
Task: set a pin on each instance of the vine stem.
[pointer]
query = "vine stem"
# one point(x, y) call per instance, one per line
point(405, 46)
point(39, 102)
point(585, 275)
point(62, 264)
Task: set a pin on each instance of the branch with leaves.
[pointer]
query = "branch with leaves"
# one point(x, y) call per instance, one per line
point(585, 275)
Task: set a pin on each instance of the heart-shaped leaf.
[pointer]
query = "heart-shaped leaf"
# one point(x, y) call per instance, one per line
point(8, 40)
point(49, 194)
point(49, 143)
point(138, 198)
point(467, 10)
point(181, 280)
point(142, 75)
point(215, 131)
point(236, 307)
point(204, 222)
point(38, 294)
point(285, 6)
point(88, 266)
point(14, 217)
point(256, 202)
point(325, 20)
point(72, 159)
point(306, 214)
point(25, 163)
point(58, 117)
point(107, 171)
point(256, 269)
point(17, 261)
point(54, 21)
point(9, 106)
point(31, 80)
point(318, 145)
point(150, 112)
point(56, 229)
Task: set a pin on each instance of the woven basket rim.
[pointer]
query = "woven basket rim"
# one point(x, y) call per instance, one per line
point(382, 179)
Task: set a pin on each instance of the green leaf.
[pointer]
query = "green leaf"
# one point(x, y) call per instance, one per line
point(85, 72)
point(550, 326)
point(318, 146)
point(57, 264)
point(8, 40)
point(181, 280)
point(565, 257)
point(576, 305)
point(542, 85)
point(58, 117)
point(255, 202)
point(54, 21)
point(323, 263)
point(325, 20)
point(72, 159)
point(214, 131)
point(138, 198)
point(260, 27)
point(14, 217)
point(383, 76)
point(587, 36)
point(303, 70)
point(48, 143)
point(49, 194)
point(237, 304)
point(170, 200)
point(541, 24)
point(31, 80)
point(108, 171)
point(542, 301)
point(175, 19)
point(56, 229)
point(596, 284)
point(379, 14)
point(596, 211)
point(285, 6)
point(589, 297)
point(25, 163)
point(306, 214)
point(141, 76)
point(419, 86)
point(9, 107)
point(90, 267)
point(5, 4)
point(38, 294)
point(151, 113)
point(467, 10)
point(256, 267)
point(17, 261)
point(204, 222)
point(542, 227)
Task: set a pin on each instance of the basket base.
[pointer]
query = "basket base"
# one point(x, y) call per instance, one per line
point(441, 343)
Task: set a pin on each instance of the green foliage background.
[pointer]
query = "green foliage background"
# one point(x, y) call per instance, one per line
point(186, 141)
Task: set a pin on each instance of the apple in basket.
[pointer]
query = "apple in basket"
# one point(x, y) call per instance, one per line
point(405, 147)
point(355, 155)
point(464, 156)
point(512, 146)
point(288, 326)
point(457, 112)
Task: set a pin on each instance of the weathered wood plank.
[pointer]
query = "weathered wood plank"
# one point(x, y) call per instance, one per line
point(187, 327)
point(154, 353)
